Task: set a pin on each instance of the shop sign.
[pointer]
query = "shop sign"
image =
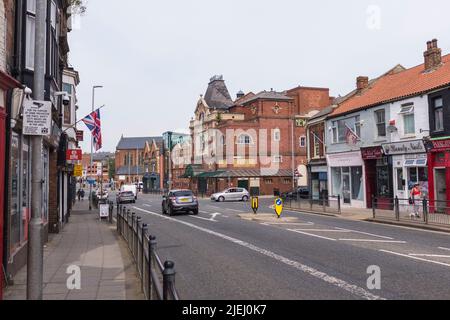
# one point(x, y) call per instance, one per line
point(406, 147)
point(315, 169)
point(80, 135)
point(374, 153)
point(348, 159)
point(74, 155)
point(440, 145)
point(78, 171)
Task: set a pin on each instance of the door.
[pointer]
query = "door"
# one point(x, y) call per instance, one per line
point(346, 193)
point(243, 184)
point(441, 190)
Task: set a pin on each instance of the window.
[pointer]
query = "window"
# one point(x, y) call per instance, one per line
point(244, 139)
point(438, 114)
point(339, 128)
point(277, 135)
point(357, 185)
point(316, 148)
point(380, 118)
point(268, 181)
point(406, 109)
point(358, 126)
point(277, 159)
point(287, 181)
point(302, 142)
point(30, 34)
point(409, 123)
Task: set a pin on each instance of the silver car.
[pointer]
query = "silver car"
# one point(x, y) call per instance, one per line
point(231, 194)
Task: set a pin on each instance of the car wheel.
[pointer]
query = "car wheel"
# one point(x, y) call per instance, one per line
point(221, 199)
point(170, 211)
point(245, 198)
point(195, 212)
point(163, 210)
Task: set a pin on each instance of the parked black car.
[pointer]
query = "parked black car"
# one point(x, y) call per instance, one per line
point(179, 201)
point(300, 193)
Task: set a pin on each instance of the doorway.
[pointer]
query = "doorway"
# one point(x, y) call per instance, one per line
point(441, 189)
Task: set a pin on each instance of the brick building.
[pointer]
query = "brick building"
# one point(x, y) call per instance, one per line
point(100, 169)
point(232, 154)
point(129, 159)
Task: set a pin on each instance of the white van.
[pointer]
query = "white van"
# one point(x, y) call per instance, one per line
point(130, 187)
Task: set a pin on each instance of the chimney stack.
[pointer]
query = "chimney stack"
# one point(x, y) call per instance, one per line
point(433, 55)
point(362, 83)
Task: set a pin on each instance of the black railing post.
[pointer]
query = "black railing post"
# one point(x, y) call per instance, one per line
point(339, 203)
point(397, 208)
point(143, 233)
point(138, 222)
point(151, 251)
point(168, 279)
point(374, 209)
point(111, 210)
point(128, 227)
point(425, 210)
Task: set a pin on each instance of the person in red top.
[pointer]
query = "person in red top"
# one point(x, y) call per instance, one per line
point(416, 195)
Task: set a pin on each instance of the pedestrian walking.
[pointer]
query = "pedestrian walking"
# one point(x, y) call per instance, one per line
point(82, 194)
point(416, 195)
point(79, 195)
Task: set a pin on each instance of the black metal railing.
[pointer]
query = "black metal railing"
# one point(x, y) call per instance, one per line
point(157, 278)
point(325, 204)
point(421, 211)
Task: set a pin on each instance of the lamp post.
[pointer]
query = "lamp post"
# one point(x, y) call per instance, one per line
point(92, 147)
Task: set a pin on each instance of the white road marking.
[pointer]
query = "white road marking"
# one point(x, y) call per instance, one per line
point(353, 289)
point(206, 219)
point(204, 212)
point(311, 235)
point(367, 234)
point(442, 248)
point(375, 241)
point(214, 207)
point(288, 223)
point(428, 255)
point(415, 258)
point(147, 205)
point(323, 230)
point(234, 210)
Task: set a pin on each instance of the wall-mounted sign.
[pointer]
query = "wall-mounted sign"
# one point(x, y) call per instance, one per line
point(74, 155)
point(300, 123)
point(373, 153)
point(439, 145)
point(80, 135)
point(406, 147)
point(37, 118)
point(78, 170)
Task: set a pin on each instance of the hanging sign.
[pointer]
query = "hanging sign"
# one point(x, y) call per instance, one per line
point(74, 155)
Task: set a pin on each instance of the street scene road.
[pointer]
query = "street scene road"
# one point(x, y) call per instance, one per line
point(219, 255)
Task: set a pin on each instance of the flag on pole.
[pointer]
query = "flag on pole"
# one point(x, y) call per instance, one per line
point(351, 137)
point(93, 123)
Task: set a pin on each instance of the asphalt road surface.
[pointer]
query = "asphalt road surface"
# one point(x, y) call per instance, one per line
point(220, 256)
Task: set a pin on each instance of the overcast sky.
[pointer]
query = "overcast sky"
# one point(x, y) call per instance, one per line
point(154, 58)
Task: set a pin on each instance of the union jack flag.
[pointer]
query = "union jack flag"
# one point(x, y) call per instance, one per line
point(94, 124)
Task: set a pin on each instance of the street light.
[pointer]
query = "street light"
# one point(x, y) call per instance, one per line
point(92, 146)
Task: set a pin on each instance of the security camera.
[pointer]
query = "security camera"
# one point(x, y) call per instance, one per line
point(66, 100)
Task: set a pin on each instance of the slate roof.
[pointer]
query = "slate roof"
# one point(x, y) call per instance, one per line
point(268, 95)
point(135, 143)
point(217, 95)
point(125, 170)
point(395, 86)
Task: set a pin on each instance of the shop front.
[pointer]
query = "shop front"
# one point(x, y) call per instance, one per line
point(346, 172)
point(378, 174)
point(439, 174)
point(318, 174)
point(409, 162)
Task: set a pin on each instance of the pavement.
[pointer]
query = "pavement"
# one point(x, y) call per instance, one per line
point(226, 253)
point(107, 269)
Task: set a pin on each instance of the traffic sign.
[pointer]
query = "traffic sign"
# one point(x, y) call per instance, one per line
point(278, 207)
point(255, 204)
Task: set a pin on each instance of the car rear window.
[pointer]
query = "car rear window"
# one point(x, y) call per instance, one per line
point(127, 193)
point(183, 194)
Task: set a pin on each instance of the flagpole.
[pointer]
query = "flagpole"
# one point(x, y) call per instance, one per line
point(92, 146)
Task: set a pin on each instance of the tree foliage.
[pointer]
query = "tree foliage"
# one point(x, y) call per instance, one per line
point(77, 6)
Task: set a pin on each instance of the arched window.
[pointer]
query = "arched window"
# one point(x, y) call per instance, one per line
point(244, 139)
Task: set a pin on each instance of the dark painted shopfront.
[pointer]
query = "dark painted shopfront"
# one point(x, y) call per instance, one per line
point(439, 174)
point(378, 168)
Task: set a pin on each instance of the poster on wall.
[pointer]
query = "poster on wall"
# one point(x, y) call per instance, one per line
point(37, 118)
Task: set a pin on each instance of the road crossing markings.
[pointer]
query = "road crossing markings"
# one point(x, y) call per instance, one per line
point(415, 258)
point(342, 284)
point(201, 218)
point(148, 205)
point(234, 210)
point(311, 235)
point(442, 248)
point(288, 223)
